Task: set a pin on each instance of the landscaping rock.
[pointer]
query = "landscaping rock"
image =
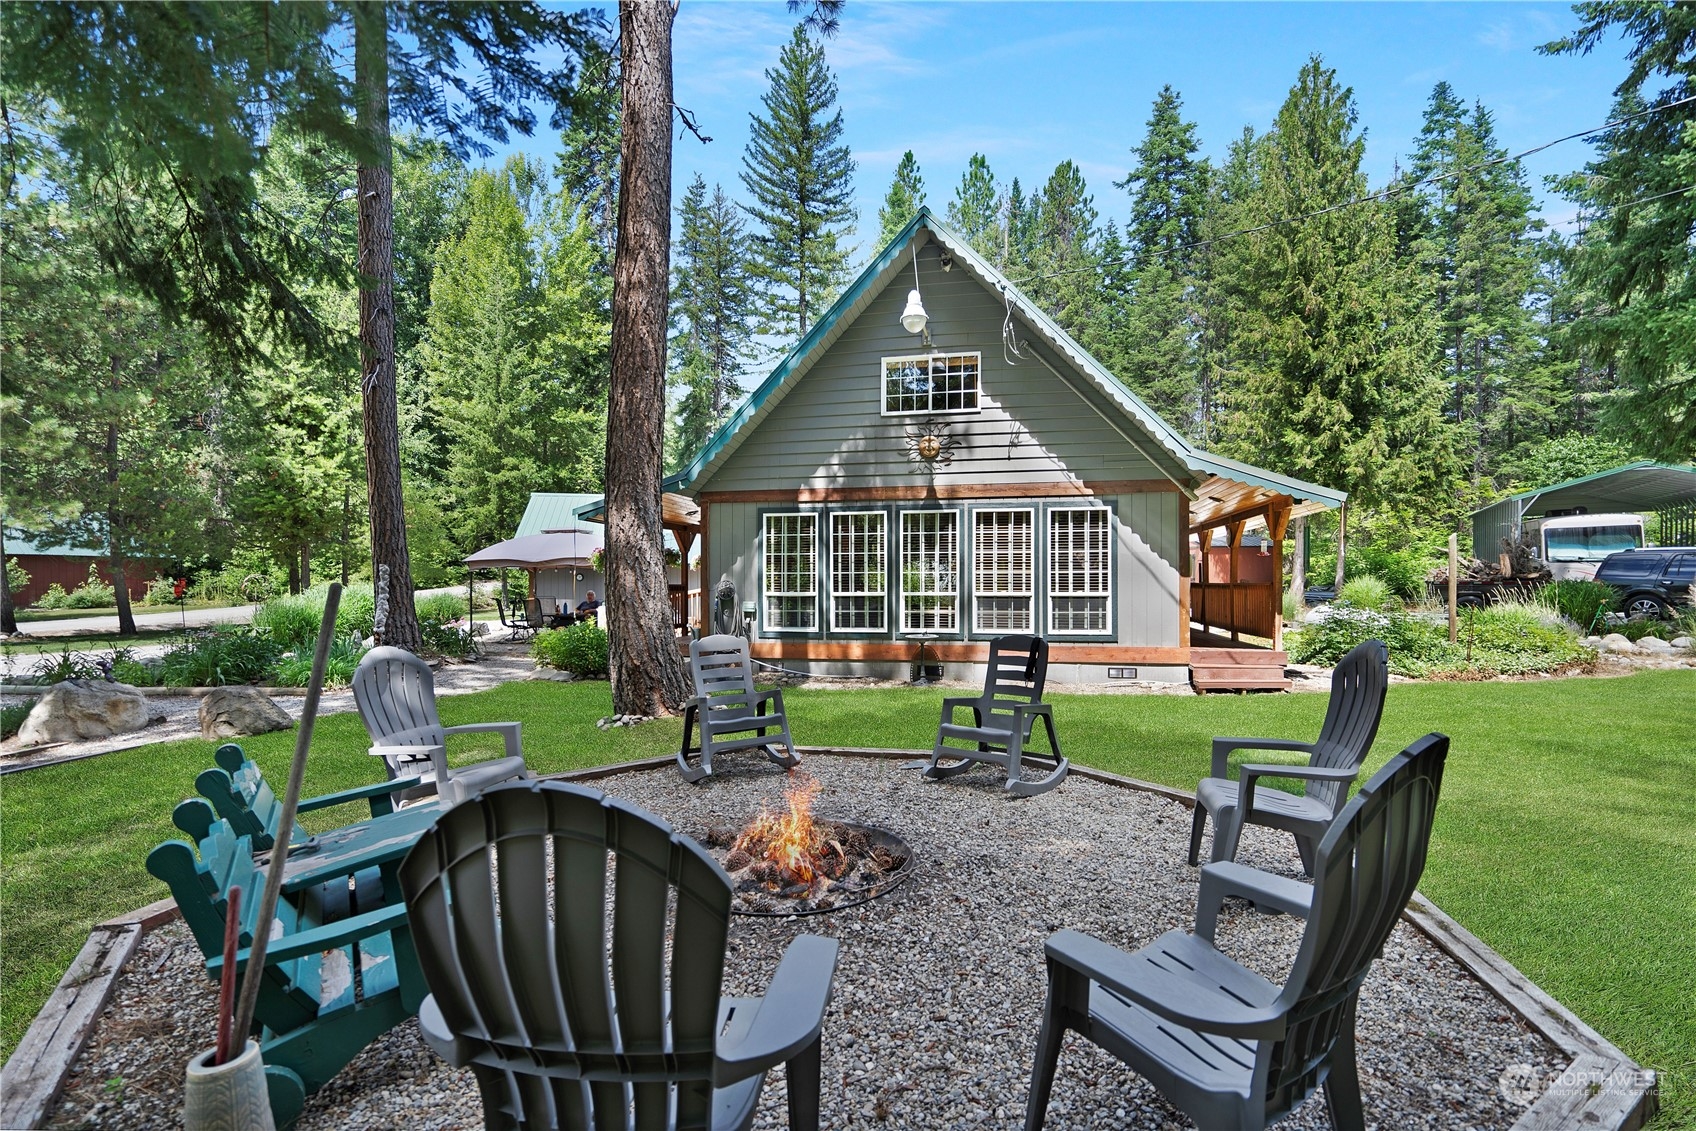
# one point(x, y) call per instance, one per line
point(81, 709)
point(230, 712)
point(1682, 642)
point(1653, 644)
point(1615, 642)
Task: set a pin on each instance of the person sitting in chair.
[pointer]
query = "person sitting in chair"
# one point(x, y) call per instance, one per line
point(587, 606)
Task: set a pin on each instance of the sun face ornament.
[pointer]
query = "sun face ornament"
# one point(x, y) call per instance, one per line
point(930, 443)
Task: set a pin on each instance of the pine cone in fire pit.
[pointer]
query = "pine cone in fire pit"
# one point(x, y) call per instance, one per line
point(720, 836)
point(737, 860)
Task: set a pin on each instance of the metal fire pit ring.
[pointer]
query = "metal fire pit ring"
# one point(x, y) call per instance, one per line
point(848, 897)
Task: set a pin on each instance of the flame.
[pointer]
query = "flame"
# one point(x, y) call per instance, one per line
point(790, 840)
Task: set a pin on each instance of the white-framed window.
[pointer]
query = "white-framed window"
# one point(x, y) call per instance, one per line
point(928, 383)
point(1003, 570)
point(930, 571)
point(1080, 571)
point(791, 572)
point(859, 573)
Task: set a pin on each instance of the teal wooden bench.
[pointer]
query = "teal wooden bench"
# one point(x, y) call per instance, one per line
point(313, 1014)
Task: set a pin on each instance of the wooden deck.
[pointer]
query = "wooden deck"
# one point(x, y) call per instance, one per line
point(1218, 663)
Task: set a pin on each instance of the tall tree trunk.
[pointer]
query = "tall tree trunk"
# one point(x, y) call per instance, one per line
point(647, 672)
point(1298, 563)
point(377, 326)
point(8, 612)
point(1342, 541)
point(114, 558)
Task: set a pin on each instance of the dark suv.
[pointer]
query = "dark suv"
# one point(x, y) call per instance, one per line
point(1650, 582)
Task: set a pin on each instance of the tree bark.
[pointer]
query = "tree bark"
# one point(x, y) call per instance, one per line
point(375, 181)
point(115, 560)
point(1342, 541)
point(8, 611)
point(647, 673)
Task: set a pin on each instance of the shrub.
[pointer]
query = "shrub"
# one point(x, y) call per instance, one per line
point(294, 669)
point(582, 649)
point(17, 577)
point(127, 669)
point(446, 639)
point(293, 621)
point(12, 716)
point(67, 665)
point(1581, 602)
point(160, 591)
point(441, 607)
point(217, 656)
point(1368, 592)
point(54, 598)
point(92, 594)
point(1403, 570)
point(1511, 638)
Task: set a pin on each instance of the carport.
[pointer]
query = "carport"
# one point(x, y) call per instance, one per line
point(1644, 487)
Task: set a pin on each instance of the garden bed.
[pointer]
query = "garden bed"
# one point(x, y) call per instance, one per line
point(940, 984)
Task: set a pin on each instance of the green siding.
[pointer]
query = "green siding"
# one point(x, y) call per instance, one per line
point(828, 431)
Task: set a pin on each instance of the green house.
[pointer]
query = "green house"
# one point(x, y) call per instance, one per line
point(978, 476)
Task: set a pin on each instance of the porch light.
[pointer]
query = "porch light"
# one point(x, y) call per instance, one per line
point(913, 318)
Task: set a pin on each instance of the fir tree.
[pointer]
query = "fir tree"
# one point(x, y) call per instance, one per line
point(1639, 252)
point(711, 309)
point(1018, 233)
point(1168, 187)
point(1471, 235)
point(1065, 258)
point(906, 196)
point(799, 173)
point(1339, 384)
point(976, 209)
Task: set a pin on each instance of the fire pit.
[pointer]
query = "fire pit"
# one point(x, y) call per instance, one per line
point(791, 863)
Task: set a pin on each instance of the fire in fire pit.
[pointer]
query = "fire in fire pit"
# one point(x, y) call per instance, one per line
point(788, 863)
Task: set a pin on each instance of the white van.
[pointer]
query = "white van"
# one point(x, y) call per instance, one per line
point(1572, 546)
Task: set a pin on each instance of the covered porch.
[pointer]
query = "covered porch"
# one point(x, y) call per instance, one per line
point(1234, 592)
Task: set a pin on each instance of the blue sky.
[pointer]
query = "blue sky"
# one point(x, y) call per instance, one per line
point(1032, 84)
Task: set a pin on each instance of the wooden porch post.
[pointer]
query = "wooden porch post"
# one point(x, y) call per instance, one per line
point(1277, 524)
point(1233, 542)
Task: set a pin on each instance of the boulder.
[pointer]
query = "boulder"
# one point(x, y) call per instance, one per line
point(1682, 642)
point(1615, 642)
point(81, 709)
point(230, 712)
point(1653, 644)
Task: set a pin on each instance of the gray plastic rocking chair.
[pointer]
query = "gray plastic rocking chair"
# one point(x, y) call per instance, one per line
point(1221, 1043)
point(1358, 684)
point(730, 713)
point(1003, 718)
point(396, 697)
point(550, 976)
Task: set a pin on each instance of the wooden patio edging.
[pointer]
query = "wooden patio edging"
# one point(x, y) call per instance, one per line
point(1601, 1088)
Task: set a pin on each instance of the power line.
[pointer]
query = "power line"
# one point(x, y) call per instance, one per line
point(1394, 190)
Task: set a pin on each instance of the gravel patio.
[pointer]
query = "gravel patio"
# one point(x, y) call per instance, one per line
point(940, 984)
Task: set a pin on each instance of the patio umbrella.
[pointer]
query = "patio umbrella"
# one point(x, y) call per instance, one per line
point(561, 549)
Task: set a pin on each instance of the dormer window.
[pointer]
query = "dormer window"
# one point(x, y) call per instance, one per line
point(930, 383)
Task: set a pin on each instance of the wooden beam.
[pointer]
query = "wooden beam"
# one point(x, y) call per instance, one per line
point(960, 651)
point(919, 492)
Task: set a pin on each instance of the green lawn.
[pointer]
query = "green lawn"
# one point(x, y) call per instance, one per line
point(32, 646)
point(1564, 838)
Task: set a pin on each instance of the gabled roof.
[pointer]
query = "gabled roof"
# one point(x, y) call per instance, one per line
point(1644, 485)
point(550, 510)
point(1165, 446)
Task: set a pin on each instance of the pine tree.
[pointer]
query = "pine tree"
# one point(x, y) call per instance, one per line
point(1337, 357)
point(976, 209)
point(906, 196)
point(1168, 187)
point(1470, 233)
point(712, 311)
point(588, 155)
point(1065, 258)
point(1639, 253)
point(799, 173)
point(1018, 242)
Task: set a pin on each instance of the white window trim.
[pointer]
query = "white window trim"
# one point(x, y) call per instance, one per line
point(959, 563)
point(883, 388)
point(883, 629)
point(976, 630)
point(766, 591)
point(1106, 592)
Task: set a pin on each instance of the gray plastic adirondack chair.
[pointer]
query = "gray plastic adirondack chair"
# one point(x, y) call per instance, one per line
point(1358, 684)
point(1003, 718)
point(571, 1010)
point(396, 697)
point(729, 712)
point(1221, 1043)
